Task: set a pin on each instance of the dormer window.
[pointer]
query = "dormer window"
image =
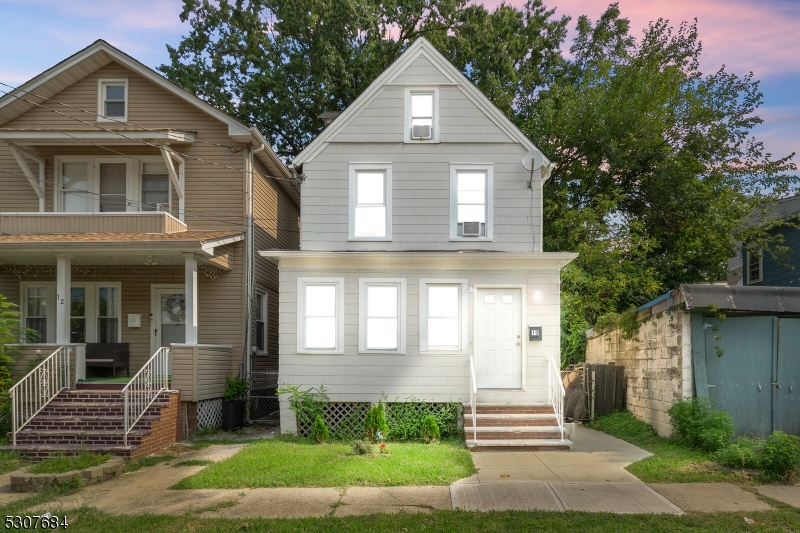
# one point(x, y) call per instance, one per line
point(422, 121)
point(112, 104)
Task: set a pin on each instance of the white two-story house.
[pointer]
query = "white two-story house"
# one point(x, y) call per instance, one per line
point(420, 273)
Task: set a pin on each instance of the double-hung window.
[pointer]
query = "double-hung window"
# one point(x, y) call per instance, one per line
point(320, 315)
point(442, 313)
point(422, 114)
point(261, 323)
point(112, 100)
point(155, 187)
point(370, 216)
point(36, 313)
point(471, 199)
point(755, 266)
point(382, 315)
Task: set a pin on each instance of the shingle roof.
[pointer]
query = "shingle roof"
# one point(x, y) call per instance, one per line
point(59, 238)
point(783, 209)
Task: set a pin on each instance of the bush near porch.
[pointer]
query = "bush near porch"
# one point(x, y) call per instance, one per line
point(293, 462)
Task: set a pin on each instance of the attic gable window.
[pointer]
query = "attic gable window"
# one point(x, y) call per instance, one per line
point(112, 100)
point(422, 115)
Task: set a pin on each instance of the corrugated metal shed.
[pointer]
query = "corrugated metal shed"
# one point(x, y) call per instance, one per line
point(741, 298)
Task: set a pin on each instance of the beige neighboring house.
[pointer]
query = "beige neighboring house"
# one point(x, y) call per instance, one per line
point(421, 273)
point(129, 214)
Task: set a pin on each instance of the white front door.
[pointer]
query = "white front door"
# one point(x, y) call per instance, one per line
point(169, 318)
point(498, 346)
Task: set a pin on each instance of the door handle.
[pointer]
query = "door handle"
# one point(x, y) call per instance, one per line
point(519, 344)
point(777, 385)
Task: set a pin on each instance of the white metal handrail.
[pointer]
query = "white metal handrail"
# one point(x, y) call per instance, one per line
point(143, 388)
point(33, 392)
point(556, 392)
point(473, 392)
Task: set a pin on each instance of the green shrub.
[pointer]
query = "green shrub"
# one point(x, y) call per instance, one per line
point(306, 404)
point(319, 431)
point(362, 447)
point(780, 455)
point(375, 427)
point(235, 389)
point(405, 418)
point(744, 453)
point(697, 425)
point(430, 430)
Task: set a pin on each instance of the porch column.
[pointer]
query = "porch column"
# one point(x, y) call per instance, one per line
point(63, 292)
point(190, 285)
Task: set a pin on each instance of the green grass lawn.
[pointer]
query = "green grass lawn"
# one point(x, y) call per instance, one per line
point(783, 520)
point(298, 463)
point(9, 461)
point(57, 465)
point(670, 462)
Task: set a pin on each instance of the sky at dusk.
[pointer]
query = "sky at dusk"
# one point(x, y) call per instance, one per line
point(743, 35)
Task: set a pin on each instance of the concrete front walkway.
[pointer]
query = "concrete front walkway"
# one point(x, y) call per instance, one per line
point(589, 477)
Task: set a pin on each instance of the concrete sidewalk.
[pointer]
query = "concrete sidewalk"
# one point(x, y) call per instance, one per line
point(589, 478)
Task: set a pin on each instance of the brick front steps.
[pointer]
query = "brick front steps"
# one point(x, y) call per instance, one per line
point(513, 427)
point(91, 419)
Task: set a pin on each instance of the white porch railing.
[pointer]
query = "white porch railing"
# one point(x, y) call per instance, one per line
point(473, 392)
point(556, 392)
point(143, 388)
point(33, 392)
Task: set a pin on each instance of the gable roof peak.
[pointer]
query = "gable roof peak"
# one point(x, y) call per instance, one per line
point(421, 46)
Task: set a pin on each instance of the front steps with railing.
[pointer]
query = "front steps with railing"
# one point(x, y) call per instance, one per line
point(91, 418)
point(513, 427)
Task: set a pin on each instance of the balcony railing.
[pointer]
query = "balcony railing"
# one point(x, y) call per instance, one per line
point(122, 222)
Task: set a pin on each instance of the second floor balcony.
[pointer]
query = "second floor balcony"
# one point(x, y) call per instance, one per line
point(66, 223)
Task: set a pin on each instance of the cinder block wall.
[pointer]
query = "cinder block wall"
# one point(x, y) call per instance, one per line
point(657, 361)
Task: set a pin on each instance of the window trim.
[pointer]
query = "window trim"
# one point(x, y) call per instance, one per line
point(435, 138)
point(91, 311)
point(402, 284)
point(133, 185)
point(454, 170)
point(101, 99)
point(423, 316)
point(50, 310)
point(264, 297)
point(760, 267)
point(301, 314)
point(354, 168)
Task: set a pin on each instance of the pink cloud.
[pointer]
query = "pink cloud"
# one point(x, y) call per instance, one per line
point(745, 36)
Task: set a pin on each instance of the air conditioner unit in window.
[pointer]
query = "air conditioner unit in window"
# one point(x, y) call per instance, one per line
point(421, 132)
point(472, 229)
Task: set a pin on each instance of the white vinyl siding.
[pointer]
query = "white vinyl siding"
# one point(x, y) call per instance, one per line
point(370, 204)
point(382, 315)
point(320, 315)
point(442, 315)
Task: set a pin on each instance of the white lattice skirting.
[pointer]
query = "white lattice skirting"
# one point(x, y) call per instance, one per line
point(209, 413)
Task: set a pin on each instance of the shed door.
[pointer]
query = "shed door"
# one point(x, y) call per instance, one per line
point(740, 380)
point(787, 379)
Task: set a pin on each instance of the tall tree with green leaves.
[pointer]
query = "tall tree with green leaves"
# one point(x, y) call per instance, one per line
point(655, 167)
point(278, 65)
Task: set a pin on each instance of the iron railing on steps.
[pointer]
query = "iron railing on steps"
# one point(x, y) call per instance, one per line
point(38, 388)
point(473, 392)
point(143, 388)
point(556, 392)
